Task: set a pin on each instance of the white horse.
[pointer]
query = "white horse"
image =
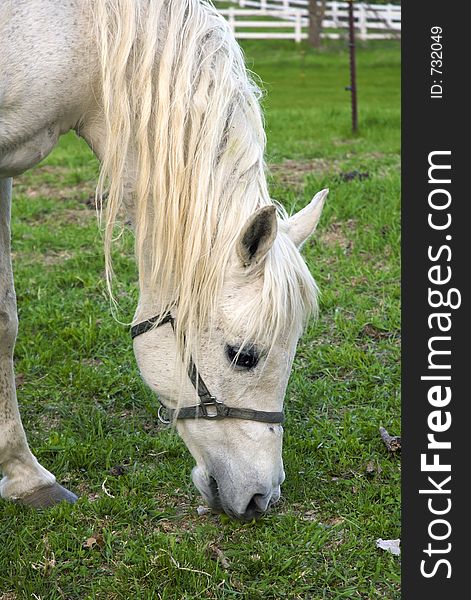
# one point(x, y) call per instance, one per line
point(159, 90)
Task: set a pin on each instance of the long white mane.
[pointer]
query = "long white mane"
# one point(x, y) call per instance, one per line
point(184, 126)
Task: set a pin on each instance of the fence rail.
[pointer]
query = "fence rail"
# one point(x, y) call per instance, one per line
point(372, 21)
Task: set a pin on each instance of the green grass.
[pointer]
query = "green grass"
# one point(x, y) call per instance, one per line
point(86, 410)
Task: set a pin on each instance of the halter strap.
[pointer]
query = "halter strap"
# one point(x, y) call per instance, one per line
point(145, 326)
point(209, 406)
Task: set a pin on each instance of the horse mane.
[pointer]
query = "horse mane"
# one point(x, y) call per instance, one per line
point(184, 126)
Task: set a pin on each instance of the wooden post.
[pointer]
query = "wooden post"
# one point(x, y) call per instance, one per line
point(231, 18)
point(335, 16)
point(298, 27)
point(362, 22)
point(353, 78)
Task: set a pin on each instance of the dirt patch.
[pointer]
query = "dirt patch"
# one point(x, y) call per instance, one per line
point(376, 333)
point(63, 216)
point(351, 167)
point(353, 175)
point(56, 185)
point(48, 259)
point(292, 173)
point(76, 216)
point(53, 258)
point(91, 362)
point(335, 236)
point(49, 422)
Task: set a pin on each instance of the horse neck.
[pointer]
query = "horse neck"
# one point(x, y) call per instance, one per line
point(151, 302)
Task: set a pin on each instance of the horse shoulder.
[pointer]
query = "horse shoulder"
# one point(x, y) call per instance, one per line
point(47, 71)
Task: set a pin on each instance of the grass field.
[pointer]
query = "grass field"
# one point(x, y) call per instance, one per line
point(135, 532)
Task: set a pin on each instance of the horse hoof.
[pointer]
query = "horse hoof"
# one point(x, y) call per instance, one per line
point(48, 496)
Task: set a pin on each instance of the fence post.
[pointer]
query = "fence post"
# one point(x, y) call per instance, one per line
point(298, 27)
point(334, 7)
point(390, 16)
point(362, 21)
point(353, 76)
point(387, 15)
point(231, 19)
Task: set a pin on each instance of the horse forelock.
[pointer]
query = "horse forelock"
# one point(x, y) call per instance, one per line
point(184, 125)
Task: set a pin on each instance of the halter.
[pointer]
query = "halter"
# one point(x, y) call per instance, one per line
point(209, 407)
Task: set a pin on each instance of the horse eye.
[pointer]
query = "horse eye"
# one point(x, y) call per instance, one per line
point(246, 358)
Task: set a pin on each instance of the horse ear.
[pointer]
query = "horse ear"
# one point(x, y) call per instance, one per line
point(304, 223)
point(257, 236)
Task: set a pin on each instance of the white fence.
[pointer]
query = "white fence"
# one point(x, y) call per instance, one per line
point(372, 21)
point(291, 21)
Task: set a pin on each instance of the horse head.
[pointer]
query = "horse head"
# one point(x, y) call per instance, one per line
point(228, 406)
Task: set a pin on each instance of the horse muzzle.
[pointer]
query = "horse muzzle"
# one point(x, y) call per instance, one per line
point(247, 501)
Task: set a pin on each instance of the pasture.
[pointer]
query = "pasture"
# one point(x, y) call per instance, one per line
point(135, 532)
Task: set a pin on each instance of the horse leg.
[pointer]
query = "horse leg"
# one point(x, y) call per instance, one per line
point(24, 478)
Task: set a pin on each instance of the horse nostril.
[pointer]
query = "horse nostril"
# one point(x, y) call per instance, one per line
point(257, 505)
point(262, 501)
point(213, 486)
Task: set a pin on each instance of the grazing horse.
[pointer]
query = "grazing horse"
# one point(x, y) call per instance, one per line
point(159, 91)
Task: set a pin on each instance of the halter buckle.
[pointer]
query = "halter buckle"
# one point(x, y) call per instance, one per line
point(213, 403)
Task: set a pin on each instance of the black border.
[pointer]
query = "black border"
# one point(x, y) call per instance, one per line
point(430, 124)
